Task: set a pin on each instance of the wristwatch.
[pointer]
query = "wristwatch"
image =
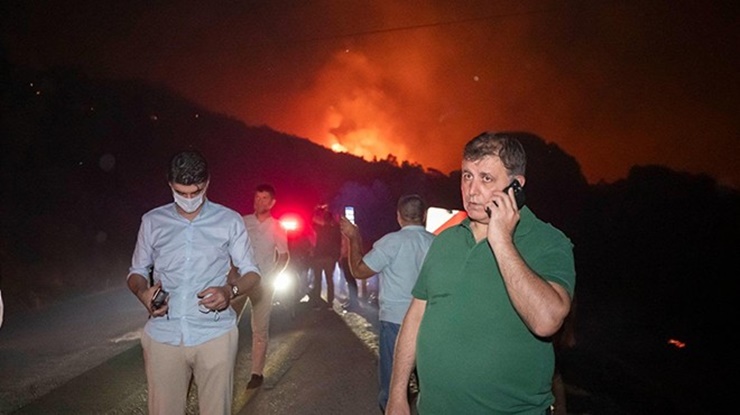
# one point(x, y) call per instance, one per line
point(234, 290)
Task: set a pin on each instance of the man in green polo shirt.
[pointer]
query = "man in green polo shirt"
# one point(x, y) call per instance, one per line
point(491, 292)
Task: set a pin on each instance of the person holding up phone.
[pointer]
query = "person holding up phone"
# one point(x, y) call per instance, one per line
point(490, 294)
point(189, 246)
point(397, 258)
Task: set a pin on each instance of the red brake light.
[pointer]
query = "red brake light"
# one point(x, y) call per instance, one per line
point(291, 222)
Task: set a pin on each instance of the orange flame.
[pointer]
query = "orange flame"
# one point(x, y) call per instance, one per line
point(677, 343)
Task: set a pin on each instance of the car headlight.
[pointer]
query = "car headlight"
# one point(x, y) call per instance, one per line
point(283, 281)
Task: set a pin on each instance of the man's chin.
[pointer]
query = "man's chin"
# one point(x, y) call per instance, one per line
point(481, 219)
point(478, 215)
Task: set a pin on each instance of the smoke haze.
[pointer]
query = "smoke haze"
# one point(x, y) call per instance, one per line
point(613, 83)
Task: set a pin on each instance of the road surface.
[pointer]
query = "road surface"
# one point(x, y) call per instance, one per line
point(83, 356)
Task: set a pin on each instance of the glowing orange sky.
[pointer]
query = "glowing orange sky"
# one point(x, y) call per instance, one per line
point(613, 84)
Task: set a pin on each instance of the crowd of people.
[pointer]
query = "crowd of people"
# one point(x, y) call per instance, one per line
point(469, 314)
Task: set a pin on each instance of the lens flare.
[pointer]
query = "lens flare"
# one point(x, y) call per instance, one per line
point(283, 282)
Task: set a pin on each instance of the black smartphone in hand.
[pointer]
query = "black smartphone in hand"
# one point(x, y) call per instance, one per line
point(518, 195)
point(518, 192)
point(158, 299)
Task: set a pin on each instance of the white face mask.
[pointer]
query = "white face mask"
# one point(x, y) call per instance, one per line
point(189, 205)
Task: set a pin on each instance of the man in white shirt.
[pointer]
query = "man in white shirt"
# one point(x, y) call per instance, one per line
point(270, 243)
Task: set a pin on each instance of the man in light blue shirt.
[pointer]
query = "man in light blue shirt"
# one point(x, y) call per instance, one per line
point(397, 257)
point(188, 247)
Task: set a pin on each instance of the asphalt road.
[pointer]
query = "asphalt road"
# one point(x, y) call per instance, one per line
point(84, 357)
point(41, 350)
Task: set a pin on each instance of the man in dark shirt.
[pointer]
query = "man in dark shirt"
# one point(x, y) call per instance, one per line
point(325, 255)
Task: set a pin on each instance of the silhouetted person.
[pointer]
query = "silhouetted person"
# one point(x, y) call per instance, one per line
point(325, 254)
point(491, 292)
point(190, 245)
point(352, 288)
point(300, 261)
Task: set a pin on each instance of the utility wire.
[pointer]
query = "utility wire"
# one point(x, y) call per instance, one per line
point(426, 25)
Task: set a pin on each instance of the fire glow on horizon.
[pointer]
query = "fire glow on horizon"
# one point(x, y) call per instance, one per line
point(347, 110)
point(609, 83)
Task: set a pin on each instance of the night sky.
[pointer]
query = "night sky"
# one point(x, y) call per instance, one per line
point(613, 83)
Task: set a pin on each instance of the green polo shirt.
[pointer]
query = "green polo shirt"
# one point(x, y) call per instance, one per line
point(474, 354)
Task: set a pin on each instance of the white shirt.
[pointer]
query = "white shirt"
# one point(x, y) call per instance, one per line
point(269, 240)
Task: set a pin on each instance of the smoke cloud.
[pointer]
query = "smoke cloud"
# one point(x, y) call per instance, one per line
point(614, 84)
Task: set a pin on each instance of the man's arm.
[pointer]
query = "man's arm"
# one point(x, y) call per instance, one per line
point(141, 267)
point(282, 262)
point(219, 297)
point(282, 249)
point(247, 272)
point(404, 359)
point(357, 266)
point(139, 285)
point(245, 283)
point(541, 304)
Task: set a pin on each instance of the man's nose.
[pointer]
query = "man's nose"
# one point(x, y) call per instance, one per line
point(474, 188)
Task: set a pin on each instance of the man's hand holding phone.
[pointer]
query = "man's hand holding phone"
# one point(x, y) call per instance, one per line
point(502, 223)
point(349, 213)
point(347, 228)
point(158, 305)
point(347, 224)
point(518, 195)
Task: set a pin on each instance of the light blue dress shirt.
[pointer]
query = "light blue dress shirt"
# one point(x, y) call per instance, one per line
point(188, 257)
point(397, 257)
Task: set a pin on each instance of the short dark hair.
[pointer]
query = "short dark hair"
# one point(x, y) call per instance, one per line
point(412, 208)
point(188, 167)
point(504, 146)
point(264, 187)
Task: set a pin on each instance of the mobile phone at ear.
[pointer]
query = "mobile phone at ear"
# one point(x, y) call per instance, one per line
point(349, 213)
point(518, 192)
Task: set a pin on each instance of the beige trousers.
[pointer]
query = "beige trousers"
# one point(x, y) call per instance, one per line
point(170, 368)
point(261, 302)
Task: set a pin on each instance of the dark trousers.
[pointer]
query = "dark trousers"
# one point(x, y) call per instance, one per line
point(325, 266)
point(351, 281)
